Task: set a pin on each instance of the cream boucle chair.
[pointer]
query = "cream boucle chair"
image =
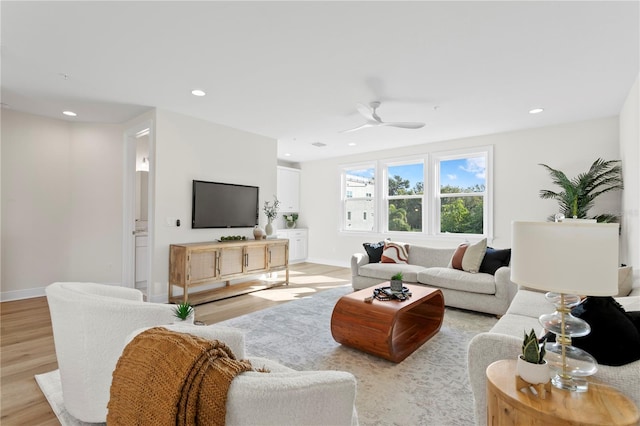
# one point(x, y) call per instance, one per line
point(92, 323)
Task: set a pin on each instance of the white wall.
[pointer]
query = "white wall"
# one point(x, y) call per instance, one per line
point(188, 148)
point(61, 203)
point(630, 152)
point(518, 179)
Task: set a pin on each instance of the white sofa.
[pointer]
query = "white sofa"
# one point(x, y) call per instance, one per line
point(92, 323)
point(504, 341)
point(429, 266)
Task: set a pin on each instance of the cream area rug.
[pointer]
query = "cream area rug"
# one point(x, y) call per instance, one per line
point(430, 387)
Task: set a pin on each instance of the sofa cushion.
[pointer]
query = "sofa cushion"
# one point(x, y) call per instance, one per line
point(473, 256)
point(494, 260)
point(530, 303)
point(395, 252)
point(515, 325)
point(374, 251)
point(429, 256)
point(384, 271)
point(454, 279)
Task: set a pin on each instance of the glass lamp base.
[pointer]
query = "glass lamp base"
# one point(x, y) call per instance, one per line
point(570, 369)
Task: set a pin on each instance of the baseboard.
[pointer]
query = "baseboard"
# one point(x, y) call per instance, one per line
point(29, 293)
point(330, 262)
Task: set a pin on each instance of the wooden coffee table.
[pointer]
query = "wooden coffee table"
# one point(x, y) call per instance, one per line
point(389, 329)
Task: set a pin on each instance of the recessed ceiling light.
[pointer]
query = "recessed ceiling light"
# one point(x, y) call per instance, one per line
point(287, 154)
point(69, 113)
point(352, 144)
point(198, 92)
point(536, 111)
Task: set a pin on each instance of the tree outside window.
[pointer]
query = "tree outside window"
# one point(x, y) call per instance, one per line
point(463, 184)
point(405, 197)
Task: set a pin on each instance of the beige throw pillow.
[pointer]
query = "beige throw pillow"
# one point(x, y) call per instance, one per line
point(473, 256)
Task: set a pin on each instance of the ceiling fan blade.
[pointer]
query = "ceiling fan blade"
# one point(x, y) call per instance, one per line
point(367, 113)
point(365, 125)
point(405, 125)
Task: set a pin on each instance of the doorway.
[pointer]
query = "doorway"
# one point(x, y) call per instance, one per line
point(138, 202)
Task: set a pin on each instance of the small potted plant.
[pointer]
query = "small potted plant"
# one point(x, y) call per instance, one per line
point(184, 313)
point(396, 282)
point(531, 365)
point(291, 219)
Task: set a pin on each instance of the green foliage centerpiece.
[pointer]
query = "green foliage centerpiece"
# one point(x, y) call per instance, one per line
point(396, 282)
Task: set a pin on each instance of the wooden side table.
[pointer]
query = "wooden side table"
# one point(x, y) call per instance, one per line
point(600, 405)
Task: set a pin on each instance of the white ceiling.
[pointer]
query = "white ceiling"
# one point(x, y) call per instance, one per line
point(294, 71)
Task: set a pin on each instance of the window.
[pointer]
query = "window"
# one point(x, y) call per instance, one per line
point(405, 195)
point(461, 193)
point(358, 190)
point(445, 193)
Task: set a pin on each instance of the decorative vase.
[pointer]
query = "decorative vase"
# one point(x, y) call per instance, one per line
point(291, 224)
point(396, 285)
point(533, 373)
point(258, 233)
point(269, 228)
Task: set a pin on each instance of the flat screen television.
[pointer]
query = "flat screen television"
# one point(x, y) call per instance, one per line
point(223, 205)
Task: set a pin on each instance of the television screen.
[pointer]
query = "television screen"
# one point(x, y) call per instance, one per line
point(223, 205)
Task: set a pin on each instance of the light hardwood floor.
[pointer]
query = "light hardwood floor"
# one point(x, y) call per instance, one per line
point(27, 341)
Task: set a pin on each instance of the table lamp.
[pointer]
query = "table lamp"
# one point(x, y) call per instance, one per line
point(568, 260)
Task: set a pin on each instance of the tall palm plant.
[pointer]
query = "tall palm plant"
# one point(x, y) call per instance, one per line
point(577, 195)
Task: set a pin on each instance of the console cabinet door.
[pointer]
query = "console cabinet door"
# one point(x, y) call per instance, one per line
point(277, 255)
point(231, 261)
point(255, 258)
point(202, 266)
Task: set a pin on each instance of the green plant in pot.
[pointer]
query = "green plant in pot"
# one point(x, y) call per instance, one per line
point(183, 311)
point(396, 282)
point(577, 195)
point(531, 365)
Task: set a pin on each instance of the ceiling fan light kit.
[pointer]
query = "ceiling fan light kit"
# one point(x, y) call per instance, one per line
point(374, 120)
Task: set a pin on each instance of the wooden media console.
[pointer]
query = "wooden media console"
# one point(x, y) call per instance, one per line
point(194, 265)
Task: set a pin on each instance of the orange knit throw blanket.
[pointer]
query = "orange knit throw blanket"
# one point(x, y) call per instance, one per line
point(167, 378)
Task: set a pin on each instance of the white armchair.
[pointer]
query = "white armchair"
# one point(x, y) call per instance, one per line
point(283, 396)
point(92, 323)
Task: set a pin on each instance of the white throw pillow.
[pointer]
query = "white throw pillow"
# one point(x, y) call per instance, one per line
point(473, 256)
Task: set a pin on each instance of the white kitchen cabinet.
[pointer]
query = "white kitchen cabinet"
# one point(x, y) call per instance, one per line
point(298, 243)
point(289, 189)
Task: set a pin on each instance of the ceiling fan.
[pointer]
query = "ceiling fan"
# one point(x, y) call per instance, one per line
point(374, 120)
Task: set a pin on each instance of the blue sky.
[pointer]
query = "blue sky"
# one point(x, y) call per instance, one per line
point(463, 173)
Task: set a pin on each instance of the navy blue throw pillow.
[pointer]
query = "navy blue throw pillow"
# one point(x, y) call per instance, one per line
point(374, 250)
point(495, 259)
point(614, 338)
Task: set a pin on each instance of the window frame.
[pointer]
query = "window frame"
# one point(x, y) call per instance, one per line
point(487, 204)
point(344, 198)
point(385, 198)
point(431, 197)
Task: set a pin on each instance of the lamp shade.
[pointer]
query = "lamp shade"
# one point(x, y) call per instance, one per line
point(569, 258)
